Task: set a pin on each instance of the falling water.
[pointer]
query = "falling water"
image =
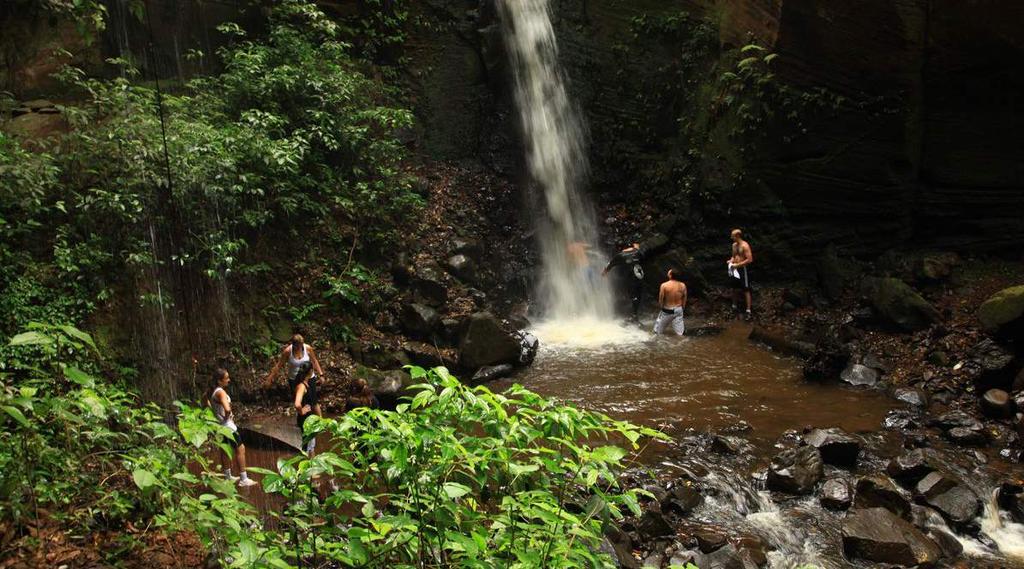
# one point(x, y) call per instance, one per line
point(571, 286)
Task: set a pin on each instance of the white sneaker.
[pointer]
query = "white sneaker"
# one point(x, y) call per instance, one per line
point(246, 483)
point(231, 477)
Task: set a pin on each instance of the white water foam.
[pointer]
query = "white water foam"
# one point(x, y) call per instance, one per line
point(1006, 535)
point(587, 334)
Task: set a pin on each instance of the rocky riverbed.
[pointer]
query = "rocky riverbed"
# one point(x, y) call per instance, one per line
point(936, 482)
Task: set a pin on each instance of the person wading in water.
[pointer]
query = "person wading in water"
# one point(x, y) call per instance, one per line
point(630, 257)
point(739, 269)
point(219, 400)
point(672, 300)
point(307, 403)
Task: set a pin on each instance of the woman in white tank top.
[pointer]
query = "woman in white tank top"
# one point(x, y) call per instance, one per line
point(293, 354)
point(219, 400)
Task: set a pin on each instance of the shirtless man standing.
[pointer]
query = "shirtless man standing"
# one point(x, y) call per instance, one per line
point(672, 300)
point(739, 271)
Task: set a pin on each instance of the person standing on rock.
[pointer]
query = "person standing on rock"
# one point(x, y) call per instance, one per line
point(739, 270)
point(294, 354)
point(307, 403)
point(630, 257)
point(219, 400)
point(672, 300)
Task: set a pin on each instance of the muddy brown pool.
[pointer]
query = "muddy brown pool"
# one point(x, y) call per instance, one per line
point(708, 383)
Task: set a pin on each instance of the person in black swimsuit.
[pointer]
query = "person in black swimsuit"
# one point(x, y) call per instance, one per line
point(631, 257)
point(307, 399)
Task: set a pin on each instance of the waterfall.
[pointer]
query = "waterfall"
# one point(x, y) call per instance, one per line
point(571, 286)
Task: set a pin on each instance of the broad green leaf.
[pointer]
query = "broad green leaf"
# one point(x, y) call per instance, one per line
point(455, 490)
point(143, 478)
point(31, 339)
point(16, 414)
point(80, 377)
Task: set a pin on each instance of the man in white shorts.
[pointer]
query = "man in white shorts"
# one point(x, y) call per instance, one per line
point(672, 300)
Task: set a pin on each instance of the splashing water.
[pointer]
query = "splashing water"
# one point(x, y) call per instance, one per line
point(571, 287)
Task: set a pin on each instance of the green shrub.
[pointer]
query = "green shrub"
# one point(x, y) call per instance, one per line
point(455, 477)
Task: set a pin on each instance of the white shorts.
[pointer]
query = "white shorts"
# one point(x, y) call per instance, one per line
point(675, 317)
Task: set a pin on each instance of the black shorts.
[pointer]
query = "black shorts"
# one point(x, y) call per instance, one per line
point(742, 283)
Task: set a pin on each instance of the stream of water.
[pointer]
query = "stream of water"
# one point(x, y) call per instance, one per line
point(725, 384)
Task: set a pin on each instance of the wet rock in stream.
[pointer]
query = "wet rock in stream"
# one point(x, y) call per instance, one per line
point(837, 447)
point(878, 491)
point(795, 471)
point(858, 375)
point(909, 468)
point(487, 343)
point(911, 396)
point(955, 501)
point(876, 534)
point(836, 494)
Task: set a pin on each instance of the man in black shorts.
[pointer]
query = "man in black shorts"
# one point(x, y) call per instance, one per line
point(739, 269)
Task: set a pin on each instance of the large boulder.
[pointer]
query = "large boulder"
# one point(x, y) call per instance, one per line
point(795, 471)
point(954, 500)
point(725, 557)
point(837, 447)
point(619, 546)
point(899, 305)
point(487, 343)
point(878, 535)
point(1003, 313)
point(419, 320)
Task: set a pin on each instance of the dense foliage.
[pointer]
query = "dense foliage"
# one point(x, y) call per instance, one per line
point(456, 476)
point(78, 449)
point(292, 143)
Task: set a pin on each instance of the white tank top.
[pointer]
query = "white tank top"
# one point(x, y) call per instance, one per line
point(293, 362)
point(220, 412)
